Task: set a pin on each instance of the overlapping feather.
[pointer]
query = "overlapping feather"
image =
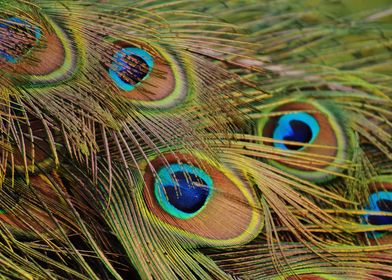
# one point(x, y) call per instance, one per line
point(79, 154)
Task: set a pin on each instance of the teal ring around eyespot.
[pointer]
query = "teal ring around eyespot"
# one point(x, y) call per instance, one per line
point(116, 66)
point(373, 206)
point(165, 179)
point(283, 128)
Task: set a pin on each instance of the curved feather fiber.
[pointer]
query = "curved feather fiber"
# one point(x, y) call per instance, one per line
point(195, 139)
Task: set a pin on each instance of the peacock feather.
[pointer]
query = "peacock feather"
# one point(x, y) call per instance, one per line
point(187, 139)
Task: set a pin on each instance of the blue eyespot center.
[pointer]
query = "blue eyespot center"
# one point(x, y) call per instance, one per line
point(182, 190)
point(382, 202)
point(17, 37)
point(130, 67)
point(297, 127)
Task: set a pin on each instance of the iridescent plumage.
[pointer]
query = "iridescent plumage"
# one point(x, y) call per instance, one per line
point(195, 139)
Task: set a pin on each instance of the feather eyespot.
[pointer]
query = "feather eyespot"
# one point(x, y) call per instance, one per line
point(297, 127)
point(186, 195)
point(147, 75)
point(130, 67)
point(182, 190)
point(313, 141)
point(379, 200)
point(17, 37)
point(38, 52)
